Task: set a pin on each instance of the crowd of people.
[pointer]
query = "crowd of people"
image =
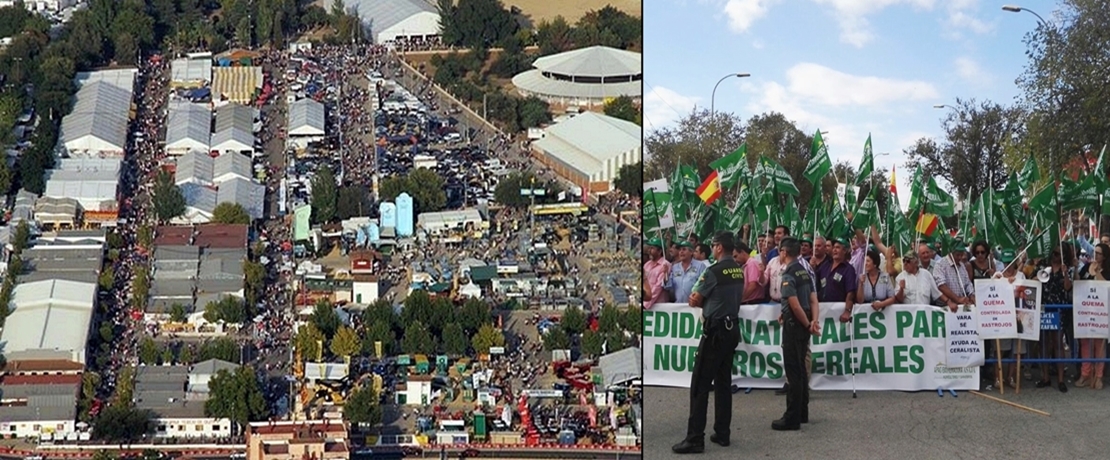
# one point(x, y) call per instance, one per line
point(860, 269)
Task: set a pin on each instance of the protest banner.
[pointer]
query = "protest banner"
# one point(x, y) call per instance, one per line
point(901, 347)
point(1092, 315)
point(964, 348)
point(997, 316)
point(1029, 309)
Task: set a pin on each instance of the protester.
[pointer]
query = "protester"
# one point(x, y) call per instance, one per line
point(1056, 291)
point(916, 286)
point(837, 281)
point(1091, 373)
point(655, 274)
point(753, 287)
point(1015, 347)
point(684, 273)
point(875, 287)
point(719, 293)
point(701, 254)
point(800, 318)
point(927, 256)
point(952, 277)
point(780, 232)
point(820, 256)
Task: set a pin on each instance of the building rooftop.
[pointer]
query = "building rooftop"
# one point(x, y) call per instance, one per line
point(161, 390)
point(588, 140)
point(49, 315)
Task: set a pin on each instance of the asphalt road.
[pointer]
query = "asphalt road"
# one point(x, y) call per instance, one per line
point(895, 425)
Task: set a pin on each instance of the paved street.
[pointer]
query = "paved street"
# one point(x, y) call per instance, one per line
point(895, 425)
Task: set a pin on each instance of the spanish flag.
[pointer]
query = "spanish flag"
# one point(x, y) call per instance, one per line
point(927, 224)
point(710, 189)
point(893, 183)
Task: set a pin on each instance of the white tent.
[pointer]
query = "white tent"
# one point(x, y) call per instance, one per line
point(188, 128)
point(306, 118)
point(395, 19)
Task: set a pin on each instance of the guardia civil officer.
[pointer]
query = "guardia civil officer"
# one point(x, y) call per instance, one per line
point(799, 320)
point(718, 292)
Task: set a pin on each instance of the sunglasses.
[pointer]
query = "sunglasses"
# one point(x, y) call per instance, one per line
point(980, 253)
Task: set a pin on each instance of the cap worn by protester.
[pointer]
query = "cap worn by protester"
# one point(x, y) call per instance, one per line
point(684, 244)
point(655, 242)
point(1007, 256)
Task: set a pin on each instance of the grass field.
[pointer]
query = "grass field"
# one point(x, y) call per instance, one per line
point(539, 10)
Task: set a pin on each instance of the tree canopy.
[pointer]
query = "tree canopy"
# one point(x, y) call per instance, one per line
point(362, 407)
point(625, 108)
point(475, 23)
point(422, 184)
point(167, 198)
point(236, 396)
point(324, 196)
point(230, 213)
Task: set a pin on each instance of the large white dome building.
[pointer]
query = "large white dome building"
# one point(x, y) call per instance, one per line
point(584, 77)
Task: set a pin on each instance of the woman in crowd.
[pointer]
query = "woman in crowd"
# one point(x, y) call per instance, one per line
point(875, 286)
point(1011, 273)
point(1091, 373)
point(1057, 291)
point(981, 267)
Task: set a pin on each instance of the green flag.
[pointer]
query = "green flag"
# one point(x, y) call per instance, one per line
point(1043, 205)
point(819, 163)
point(850, 199)
point(1080, 195)
point(732, 169)
point(1042, 246)
point(917, 191)
point(651, 216)
point(937, 201)
point(867, 214)
point(790, 217)
point(781, 180)
point(811, 220)
point(867, 165)
point(1029, 175)
point(1100, 167)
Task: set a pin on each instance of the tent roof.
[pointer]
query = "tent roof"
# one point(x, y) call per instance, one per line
point(594, 61)
point(621, 366)
point(99, 119)
point(590, 139)
point(188, 126)
point(383, 15)
point(306, 118)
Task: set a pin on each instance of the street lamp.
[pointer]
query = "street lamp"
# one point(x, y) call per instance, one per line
point(713, 97)
point(1018, 9)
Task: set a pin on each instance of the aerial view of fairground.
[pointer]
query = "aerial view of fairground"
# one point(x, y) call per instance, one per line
point(280, 229)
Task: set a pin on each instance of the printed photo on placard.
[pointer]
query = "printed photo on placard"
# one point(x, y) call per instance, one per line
point(1027, 298)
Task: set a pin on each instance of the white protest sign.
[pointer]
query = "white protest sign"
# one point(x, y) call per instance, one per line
point(1029, 309)
point(963, 348)
point(1092, 316)
point(995, 301)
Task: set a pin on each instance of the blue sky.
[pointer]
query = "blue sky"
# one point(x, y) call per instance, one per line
point(850, 67)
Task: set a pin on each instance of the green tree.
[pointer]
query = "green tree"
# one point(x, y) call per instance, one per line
point(454, 340)
point(573, 320)
point(632, 320)
point(104, 455)
point(107, 278)
point(186, 357)
point(424, 186)
point(167, 356)
point(473, 23)
point(145, 236)
point(178, 313)
point(149, 350)
point(486, 337)
point(354, 201)
point(325, 318)
point(554, 36)
point(697, 139)
point(223, 348)
point(1063, 84)
point(556, 339)
point(417, 308)
point(362, 408)
point(507, 191)
point(473, 314)
point(378, 332)
point(236, 396)
point(167, 198)
point(591, 343)
point(22, 236)
point(608, 319)
point(630, 179)
point(324, 195)
point(254, 281)
point(308, 342)
point(228, 309)
point(230, 213)
point(380, 312)
point(107, 332)
point(345, 343)
point(417, 340)
point(120, 423)
point(533, 112)
point(976, 137)
point(623, 107)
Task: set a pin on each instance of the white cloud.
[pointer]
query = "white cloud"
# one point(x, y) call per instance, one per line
point(851, 15)
point(758, 44)
point(663, 106)
point(960, 17)
point(743, 13)
point(971, 72)
point(826, 86)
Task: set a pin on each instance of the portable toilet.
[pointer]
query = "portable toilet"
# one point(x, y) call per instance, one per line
point(480, 425)
point(422, 365)
point(403, 360)
point(468, 395)
point(441, 364)
point(462, 364)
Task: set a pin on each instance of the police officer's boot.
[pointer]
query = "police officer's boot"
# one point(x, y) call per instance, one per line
point(783, 424)
point(689, 446)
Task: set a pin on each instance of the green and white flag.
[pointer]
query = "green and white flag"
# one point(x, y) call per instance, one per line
point(867, 214)
point(867, 165)
point(732, 169)
point(819, 162)
point(917, 191)
point(1029, 174)
point(1042, 246)
point(790, 217)
point(780, 179)
point(1081, 195)
point(937, 201)
point(1043, 205)
point(651, 215)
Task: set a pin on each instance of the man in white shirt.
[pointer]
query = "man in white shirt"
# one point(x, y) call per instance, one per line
point(914, 285)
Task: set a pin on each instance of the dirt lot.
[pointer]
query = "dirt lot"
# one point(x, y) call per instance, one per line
point(539, 10)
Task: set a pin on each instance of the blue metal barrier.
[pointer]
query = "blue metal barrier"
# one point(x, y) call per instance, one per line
point(1074, 351)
